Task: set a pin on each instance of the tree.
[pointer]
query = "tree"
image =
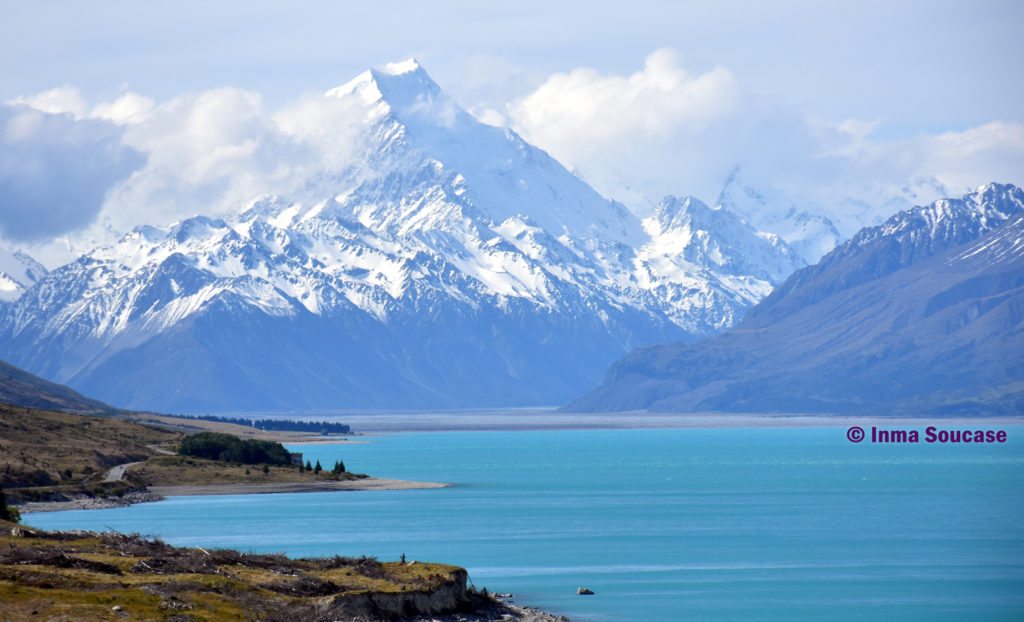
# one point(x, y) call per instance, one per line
point(309, 467)
point(227, 448)
point(6, 512)
point(318, 468)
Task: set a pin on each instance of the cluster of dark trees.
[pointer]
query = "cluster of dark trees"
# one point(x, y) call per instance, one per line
point(227, 448)
point(278, 425)
point(339, 467)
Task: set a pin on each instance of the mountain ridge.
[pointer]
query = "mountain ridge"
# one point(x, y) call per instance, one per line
point(920, 315)
point(20, 388)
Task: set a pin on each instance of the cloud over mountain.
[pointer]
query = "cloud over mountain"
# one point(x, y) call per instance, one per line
point(664, 129)
point(56, 171)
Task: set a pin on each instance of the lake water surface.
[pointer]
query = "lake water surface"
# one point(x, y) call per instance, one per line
point(663, 524)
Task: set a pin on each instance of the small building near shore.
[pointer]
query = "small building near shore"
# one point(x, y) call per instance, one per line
point(296, 457)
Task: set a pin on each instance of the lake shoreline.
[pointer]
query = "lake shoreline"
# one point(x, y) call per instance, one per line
point(536, 420)
point(159, 493)
point(370, 483)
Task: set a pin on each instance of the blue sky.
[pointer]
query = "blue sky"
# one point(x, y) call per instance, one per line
point(826, 101)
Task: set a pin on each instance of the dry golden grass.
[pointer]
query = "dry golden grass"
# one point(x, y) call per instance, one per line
point(186, 471)
point(84, 576)
point(48, 455)
point(36, 442)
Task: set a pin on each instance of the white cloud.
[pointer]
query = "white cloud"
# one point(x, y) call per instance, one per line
point(129, 109)
point(205, 153)
point(863, 178)
point(667, 130)
point(208, 154)
point(56, 171)
point(661, 97)
point(662, 129)
point(61, 100)
point(966, 159)
point(332, 126)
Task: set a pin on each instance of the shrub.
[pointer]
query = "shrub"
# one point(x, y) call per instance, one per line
point(7, 512)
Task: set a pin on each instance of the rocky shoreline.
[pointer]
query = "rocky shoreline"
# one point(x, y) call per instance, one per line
point(503, 612)
point(89, 503)
point(529, 614)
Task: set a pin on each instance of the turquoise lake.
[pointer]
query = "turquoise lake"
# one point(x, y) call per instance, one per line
point(663, 524)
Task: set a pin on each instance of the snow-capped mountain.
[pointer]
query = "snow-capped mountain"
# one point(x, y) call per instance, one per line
point(905, 238)
point(453, 264)
point(18, 272)
point(815, 227)
point(809, 233)
point(704, 259)
point(923, 314)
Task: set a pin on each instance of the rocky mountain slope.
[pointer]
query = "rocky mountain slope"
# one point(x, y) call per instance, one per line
point(449, 264)
point(923, 314)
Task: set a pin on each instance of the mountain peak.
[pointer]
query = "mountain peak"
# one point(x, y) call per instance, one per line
point(988, 206)
point(905, 239)
point(994, 191)
point(408, 65)
point(687, 228)
point(18, 272)
point(672, 212)
point(764, 207)
point(401, 85)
